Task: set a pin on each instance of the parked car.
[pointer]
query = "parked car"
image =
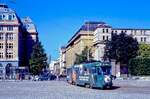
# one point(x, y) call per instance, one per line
point(36, 78)
point(47, 77)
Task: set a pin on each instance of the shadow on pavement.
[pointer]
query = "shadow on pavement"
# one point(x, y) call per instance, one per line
point(112, 88)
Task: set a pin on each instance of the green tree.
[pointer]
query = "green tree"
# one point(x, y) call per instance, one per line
point(141, 64)
point(144, 50)
point(122, 48)
point(83, 57)
point(38, 60)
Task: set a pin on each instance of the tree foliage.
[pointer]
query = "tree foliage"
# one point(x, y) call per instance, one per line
point(139, 66)
point(122, 48)
point(144, 50)
point(38, 60)
point(83, 57)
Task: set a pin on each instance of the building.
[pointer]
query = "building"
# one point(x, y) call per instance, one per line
point(54, 67)
point(30, 37)
point(82, 38)
point(103, 34)
point(16, 38)
point(62, 60)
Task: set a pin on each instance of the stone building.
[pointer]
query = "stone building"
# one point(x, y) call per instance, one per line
point(82, 38)
point(62, 60)
point(16, 40)
point(103, 34)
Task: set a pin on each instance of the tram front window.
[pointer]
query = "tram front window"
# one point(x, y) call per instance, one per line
point(99, 71)
point(106, 70)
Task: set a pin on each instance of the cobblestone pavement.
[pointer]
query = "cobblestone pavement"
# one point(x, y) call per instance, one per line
point(61, 90)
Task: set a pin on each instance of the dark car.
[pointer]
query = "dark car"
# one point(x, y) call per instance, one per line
point(47, 77)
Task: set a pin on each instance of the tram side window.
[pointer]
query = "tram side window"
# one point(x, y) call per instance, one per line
point(86, 71)
point(99, 71)
point(81, 71)
point(93, 70)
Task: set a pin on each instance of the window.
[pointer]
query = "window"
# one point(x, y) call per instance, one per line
point(9, 17)
point(1, 28)
point(1, 55)
point(106, 30)
point(144, 39)
point(13, 16)
point(107, 38)
point(10, 36)
point(135, 32)
point(4, 16)
point(1, 45)
point(9, 45)
point(1, 36)
point(9, 55)
point(103, 30)
point(103, 37)
point(141, 39)
point(10, 28)
point(1, 72)
point(1, 17)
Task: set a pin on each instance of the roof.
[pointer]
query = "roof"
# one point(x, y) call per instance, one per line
point(130, 29)
point(2, 5)
point(5, 9)
point(29, 25)
point(88, 26)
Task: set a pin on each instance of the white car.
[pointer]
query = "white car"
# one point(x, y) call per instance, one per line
point(36, 78)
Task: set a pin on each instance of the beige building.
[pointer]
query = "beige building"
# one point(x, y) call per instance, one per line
point(82, 38)
point(62, 60)
point(103, 34)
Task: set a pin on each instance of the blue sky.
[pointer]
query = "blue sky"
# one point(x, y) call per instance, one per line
point(58, 20)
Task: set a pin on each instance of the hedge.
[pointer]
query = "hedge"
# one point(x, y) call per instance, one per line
point(139, 66)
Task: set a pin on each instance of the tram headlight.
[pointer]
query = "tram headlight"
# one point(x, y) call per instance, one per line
point(107, 79)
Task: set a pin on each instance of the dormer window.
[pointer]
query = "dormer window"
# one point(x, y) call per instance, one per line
point(13, 16)
point(4, 16)
point(1, 18)
point(10, 17)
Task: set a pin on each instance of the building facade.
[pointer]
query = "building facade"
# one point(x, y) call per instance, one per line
point(30, 37)
point(82, 38)
point(103, 34)
point(62, 60)
point(13, 41)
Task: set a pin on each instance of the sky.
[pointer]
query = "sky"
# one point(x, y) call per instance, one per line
point(58, 20)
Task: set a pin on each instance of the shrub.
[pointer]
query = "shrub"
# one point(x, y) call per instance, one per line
point(139, 66)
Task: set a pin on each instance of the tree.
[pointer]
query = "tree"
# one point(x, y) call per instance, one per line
point(144, 50)
point(141, 64)
point(83, 57)
point(122, 48)
point(38, 60)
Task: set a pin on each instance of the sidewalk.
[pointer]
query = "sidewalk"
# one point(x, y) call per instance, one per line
point(142, 78)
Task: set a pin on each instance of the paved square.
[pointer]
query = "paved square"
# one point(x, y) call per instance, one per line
point(62, 90)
